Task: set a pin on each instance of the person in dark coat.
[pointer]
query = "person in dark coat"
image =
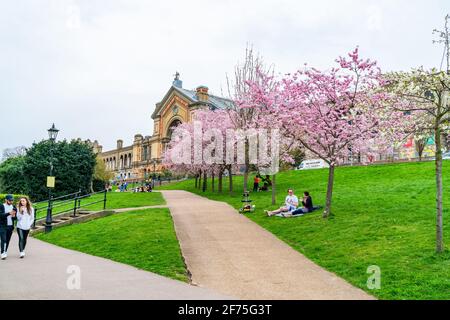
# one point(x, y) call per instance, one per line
point(7, 217)
point(307, 205)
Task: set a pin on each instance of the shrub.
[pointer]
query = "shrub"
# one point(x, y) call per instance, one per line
point(16, 197)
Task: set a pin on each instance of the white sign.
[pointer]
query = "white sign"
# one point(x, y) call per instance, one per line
point(313, 164)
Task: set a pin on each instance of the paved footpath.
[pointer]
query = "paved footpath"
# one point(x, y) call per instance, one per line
point(229, 253)
point(43, 275)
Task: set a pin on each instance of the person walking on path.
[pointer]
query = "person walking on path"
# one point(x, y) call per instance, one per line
point(7, 217)
point(25, 220)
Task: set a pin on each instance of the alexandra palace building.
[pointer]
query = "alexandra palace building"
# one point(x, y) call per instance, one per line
point(142, 159)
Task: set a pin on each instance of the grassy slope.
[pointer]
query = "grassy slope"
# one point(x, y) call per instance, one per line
point(145, 239)
point(115, 200)
point(383, 215)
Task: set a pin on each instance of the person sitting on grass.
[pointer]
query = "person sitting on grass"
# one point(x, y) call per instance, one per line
point(307, 205)
point(291, 204)
point(265, 187)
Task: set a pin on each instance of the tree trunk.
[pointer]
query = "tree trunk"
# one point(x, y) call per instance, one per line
point(220, 181)
point(246, 179)
point(327, 210)
point(200, 179)
point(439, 229)
point(247, 165)
point(274, 191)
point(196, 181)
point(205, 176)
point(420, 147)
point(212, 182)
point(230, 177)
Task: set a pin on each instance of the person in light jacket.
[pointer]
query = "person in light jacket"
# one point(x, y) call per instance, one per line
point(25, 220)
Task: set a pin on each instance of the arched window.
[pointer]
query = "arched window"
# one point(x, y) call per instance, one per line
point(172, 127)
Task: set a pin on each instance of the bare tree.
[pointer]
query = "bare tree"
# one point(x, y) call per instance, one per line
point(243, 117)
point(14, 152)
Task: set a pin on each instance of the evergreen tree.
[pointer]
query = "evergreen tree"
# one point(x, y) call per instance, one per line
point(12, 179)
point(73, 164)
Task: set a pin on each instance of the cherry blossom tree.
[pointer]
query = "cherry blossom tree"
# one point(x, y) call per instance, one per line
point(264, 98)
point(198, 148)
point(336, 113)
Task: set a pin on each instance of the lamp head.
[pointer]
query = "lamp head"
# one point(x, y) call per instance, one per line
point(53, 133)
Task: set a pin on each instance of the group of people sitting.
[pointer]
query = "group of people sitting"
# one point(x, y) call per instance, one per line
point(145, 188)
point(266, 183)
point(122, 186)
point(291, 207)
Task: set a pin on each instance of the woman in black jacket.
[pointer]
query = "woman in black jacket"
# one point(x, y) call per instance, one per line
point(307, 205)
point(307, 202)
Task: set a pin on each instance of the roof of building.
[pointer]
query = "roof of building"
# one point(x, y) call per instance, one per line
point(218, 102)
point(191, 95)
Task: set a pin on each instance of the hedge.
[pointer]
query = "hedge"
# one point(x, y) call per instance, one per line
point(16, 197)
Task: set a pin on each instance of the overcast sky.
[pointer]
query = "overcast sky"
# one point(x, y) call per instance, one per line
point(97, 67)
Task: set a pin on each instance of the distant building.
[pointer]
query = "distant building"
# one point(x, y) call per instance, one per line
point(142, 158)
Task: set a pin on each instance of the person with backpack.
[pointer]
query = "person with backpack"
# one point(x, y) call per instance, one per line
point(7, 217)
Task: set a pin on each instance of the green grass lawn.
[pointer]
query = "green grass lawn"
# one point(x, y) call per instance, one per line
point(382, 215)
point(115, 200)
point(144, 239)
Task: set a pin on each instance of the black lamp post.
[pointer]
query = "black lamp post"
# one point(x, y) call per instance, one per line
point(52, 135)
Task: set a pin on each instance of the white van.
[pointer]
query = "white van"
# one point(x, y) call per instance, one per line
point(313, 164)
